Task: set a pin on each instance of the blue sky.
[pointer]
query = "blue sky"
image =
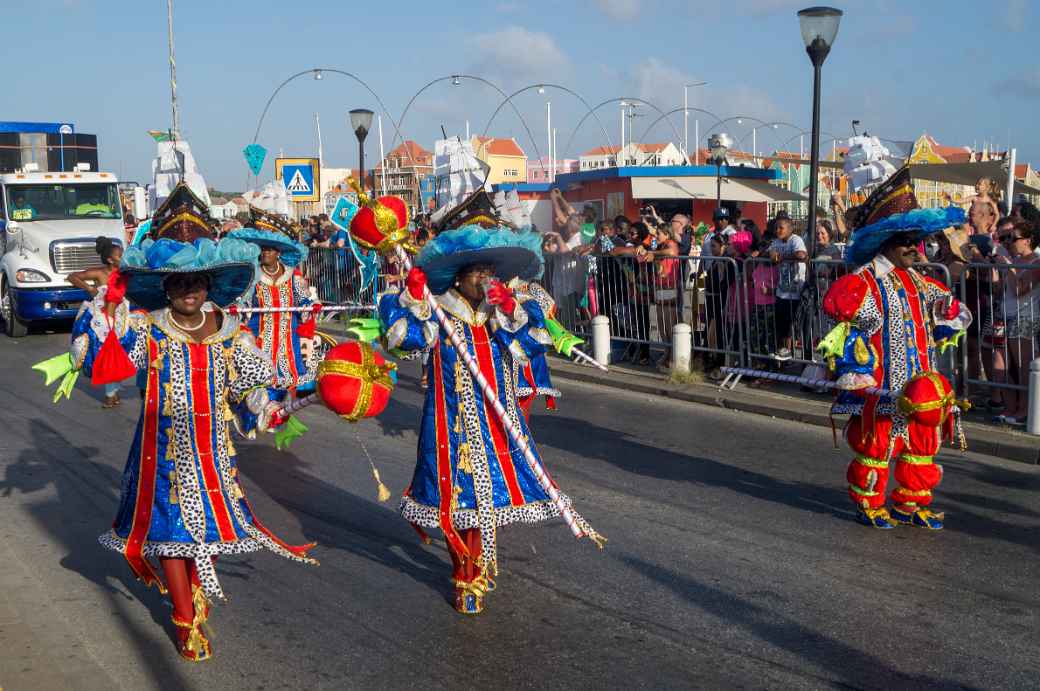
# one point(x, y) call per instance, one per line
point(966, 72)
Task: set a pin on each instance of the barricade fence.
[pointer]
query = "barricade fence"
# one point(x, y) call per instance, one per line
point(336, 277)
point(750, 312)
point(1003, 338)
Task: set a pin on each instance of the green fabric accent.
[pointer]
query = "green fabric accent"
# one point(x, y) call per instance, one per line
point(54, 368)
point(833, 344)
point(563, 340)
point(289, 432)
point(365, 329)
point(68, 383)
point(59, 367)
point(951, 342)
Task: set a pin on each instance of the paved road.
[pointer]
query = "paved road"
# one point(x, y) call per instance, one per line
point(733, 562)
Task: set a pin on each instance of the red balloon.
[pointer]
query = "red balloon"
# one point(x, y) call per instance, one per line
point(354, 381)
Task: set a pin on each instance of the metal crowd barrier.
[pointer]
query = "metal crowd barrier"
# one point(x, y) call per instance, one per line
point(336, 277)
point(1004, 337)
point(731, 305)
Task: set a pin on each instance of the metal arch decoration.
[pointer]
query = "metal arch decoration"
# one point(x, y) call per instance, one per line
point(455, 80)
point(578, 96)
point(619, 100)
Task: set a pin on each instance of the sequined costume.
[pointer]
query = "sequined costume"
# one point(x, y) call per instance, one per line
point(180, 493)
point(892, 323)
point(533, 377)
point(278, 334)
point(468, 474)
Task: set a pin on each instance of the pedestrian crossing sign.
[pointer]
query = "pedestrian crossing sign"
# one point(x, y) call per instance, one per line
point(301, 178)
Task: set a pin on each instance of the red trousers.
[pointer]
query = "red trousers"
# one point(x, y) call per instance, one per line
point(465, 569)
point(915, 471)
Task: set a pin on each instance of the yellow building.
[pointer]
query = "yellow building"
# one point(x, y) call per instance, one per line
point(931, 193)
point(507, 160)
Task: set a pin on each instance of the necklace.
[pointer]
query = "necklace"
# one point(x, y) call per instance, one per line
point(187, 329)
point(272, 274)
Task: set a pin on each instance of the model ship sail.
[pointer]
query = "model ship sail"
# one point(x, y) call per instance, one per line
point(462, 190)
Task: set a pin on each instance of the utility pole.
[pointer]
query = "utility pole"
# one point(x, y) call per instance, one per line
point(173, 70)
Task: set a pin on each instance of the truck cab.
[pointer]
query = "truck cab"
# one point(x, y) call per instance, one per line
point(49, 223)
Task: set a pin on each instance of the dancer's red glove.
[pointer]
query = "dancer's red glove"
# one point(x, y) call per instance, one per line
point(500, 294)
point(416, 283)
point(953, 310)
point(116, 288)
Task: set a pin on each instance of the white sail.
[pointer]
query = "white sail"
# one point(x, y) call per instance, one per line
point(174, 162)
point(271, 197)
point(458, 172)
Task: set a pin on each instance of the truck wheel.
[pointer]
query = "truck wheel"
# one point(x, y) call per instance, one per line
point(13, 326)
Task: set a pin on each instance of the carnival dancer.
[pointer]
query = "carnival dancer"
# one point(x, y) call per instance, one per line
point(471, 477)
point(892, 324)
point(181, 498)
point(288, 338)
point(95, 282)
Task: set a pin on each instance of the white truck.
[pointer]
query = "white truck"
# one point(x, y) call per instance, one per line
point(49, 223)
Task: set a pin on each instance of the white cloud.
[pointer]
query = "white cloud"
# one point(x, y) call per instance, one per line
point(619, 10)
point(515, 55)
point(1015, 14)
point(662, 84)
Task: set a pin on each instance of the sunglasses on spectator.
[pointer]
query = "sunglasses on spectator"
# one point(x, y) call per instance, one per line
point(904, 241)
point(1008, 239)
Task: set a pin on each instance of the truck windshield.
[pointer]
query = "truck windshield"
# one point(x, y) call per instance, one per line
point(57, 202)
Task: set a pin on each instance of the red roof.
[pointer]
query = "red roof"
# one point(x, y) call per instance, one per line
point(1021, 169)
point(493, 146)
point(601, 151)
point(953, 154)
point(408, 154)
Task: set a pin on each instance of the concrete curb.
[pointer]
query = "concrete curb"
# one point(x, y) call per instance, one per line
point(1000, 443)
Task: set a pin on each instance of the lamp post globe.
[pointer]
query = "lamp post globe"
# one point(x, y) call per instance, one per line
point(361, 123)
point(819, 27)
point(719, 145)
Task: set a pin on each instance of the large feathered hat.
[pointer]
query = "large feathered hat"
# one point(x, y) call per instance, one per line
point(272, 230)
point(181, 241)
point(514, 255)
point(892, 209)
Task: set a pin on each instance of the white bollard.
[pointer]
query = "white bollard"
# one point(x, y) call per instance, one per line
point(601, 339)
point(682, 346)
point(1033, 419)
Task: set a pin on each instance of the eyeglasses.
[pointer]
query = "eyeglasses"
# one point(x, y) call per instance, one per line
point(1008, 239)
point(904, 241)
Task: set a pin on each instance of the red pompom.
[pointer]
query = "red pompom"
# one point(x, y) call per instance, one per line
point(354, 381)
point(416, 283)
point(844, 297)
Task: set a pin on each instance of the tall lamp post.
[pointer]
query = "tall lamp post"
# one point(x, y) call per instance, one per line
point(719, 145)
point(361, 122)
point(819, 27)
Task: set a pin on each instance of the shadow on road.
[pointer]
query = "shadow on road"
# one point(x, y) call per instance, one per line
point(336, 518)
point(618, 448)
point(839, 660)
point(86, 498)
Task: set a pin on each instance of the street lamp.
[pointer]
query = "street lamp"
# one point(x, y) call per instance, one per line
point(361, 122)
point(719, 144)
point(819, 27)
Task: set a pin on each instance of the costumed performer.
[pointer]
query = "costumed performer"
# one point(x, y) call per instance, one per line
point(470, 478)
point(95, 282)
point(892, 324)
point(181, 497)
point(288, 338)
